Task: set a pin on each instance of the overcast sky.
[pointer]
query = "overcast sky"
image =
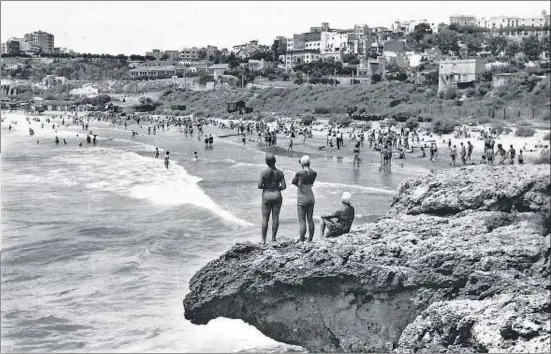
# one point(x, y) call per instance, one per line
point(133, 27)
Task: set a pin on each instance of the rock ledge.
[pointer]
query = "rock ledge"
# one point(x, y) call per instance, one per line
point(461, 263)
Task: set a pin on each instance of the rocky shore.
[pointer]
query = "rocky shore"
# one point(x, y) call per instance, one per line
point(461, 263)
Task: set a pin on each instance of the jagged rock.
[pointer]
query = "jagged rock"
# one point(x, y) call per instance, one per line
point(459, 238)
point(503, 324)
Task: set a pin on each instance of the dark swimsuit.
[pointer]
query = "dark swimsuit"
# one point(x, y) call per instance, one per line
point(271, 194)
point(340, 227)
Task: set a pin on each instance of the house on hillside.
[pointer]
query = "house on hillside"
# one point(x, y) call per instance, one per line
point(394, 48)
point(217, 70)
point(501, 79)
point(459, 73)
point(368, 67)
point(258, 65)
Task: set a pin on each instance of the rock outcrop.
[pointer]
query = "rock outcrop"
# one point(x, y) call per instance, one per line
point(461, 262)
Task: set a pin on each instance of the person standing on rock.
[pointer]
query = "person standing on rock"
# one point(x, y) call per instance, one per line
point(272, 182)
point(469, 150)
point(512, 153)
point(453, 155)
point(502, 154)
point(304, 180)
point(344, 218)
point(463, 154)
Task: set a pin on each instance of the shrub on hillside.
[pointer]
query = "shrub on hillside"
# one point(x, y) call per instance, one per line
point(391, 122)
point(424, 119)
point(470, 92)
point(412, 123)
point(498, 126)
point(546, 137)
point(450, 94)
point(483, 120)
point(322, 110)
point(308, 120)
point(524, 123)
point(344, 121)
point(443, 126)
point(375, 78)
point(525, 132)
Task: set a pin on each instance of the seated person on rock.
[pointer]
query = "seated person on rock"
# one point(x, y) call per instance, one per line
point(344, 218)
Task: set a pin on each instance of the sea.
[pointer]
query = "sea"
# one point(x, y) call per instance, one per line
point(99, 242)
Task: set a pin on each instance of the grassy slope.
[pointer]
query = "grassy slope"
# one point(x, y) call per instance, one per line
point(520, 96)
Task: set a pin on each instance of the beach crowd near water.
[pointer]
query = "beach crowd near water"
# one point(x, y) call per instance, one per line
point(388, 142)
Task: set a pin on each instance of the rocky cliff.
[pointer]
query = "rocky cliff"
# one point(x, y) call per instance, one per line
point(460, 263)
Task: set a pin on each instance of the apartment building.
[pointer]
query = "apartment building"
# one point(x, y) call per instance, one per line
point(4, 48)
point(498, 22)
point(463, 20)
point(302, 56)
point(20, 45)
point(41, 41)
point(190, 53)
point(164, 54)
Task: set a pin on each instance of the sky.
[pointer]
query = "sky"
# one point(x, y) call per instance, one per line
point(134, 27)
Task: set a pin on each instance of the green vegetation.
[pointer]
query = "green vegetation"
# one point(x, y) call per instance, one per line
point(444, 126)
point(525, 131)
point(525, 97)
point(73, 69)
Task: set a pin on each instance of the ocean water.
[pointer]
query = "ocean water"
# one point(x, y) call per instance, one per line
point(99, 242)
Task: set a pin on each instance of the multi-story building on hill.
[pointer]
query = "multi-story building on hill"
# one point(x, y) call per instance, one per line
point(43, 41)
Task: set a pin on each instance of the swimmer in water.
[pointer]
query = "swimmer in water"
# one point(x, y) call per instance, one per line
point(64, 142)
point(80, 144)
point(56, 140)
point(166, 160)
point(272, 182)
point(304, 180)
point(195, 156)
point(156, 152)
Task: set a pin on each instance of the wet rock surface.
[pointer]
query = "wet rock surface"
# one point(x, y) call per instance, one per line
point(457, 249)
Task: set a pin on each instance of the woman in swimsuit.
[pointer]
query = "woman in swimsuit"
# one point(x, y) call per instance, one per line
point(304, 180)
point(272, 182)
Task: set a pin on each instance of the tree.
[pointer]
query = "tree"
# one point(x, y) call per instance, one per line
point(545, 45)
point(202, 54)
point(204, 78)
point(473, 42)
point(446, 41)
point(531, 47)
point(512, 48)
point(299, 80)
point(164, 56)
point(497, 45)
point(375, 78)
point(233, 61)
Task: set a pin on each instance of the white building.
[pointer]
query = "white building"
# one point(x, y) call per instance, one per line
point(297, 57)
point(290, 44)
point(333, 42)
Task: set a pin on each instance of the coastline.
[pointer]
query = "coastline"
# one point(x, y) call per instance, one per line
point(454, 244)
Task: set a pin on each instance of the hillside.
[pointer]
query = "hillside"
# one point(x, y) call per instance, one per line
point(525, 97)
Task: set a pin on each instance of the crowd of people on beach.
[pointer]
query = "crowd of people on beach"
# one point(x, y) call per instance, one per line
point(386, 141)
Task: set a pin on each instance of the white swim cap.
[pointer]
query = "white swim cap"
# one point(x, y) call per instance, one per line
point(305, 160)
point(346, 197)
